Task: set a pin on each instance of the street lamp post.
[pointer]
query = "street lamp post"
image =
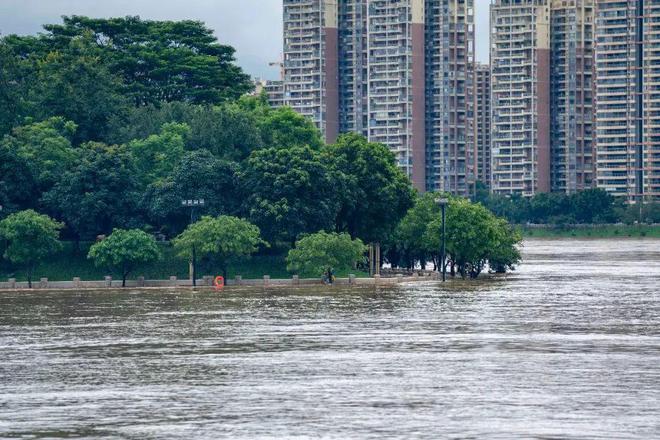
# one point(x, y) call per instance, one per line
point(192, 204)
point(443, 206)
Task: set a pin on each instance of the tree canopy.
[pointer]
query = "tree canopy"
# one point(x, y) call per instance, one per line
point(315, 253)
point(18, 183)
point(157, 155)
point(475, 237)
point(159, 60)
point(198, 175)
point(291, 192)
point(31, 237)
point(219, 240)
point(46, 146)
point(374, 193)
point(124, 251)
point(99, 194)
point(588, 206)
point(411, 235)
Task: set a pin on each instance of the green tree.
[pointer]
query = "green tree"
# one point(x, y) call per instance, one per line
point(513, 207)
point(219, 241)
point(474, 235)
point(228, 131)
point(76, 82)
point(157, 155)
point(649, 213)
point(124, 251)
point(290, 192)
point(375, 194)
point(99, 194)
point(18, 184)
point(160, 61)
point(593, 206)
point(283, 127)
point(31, 237)
point(504, 253)
point(199, 175)
point(315, 253)
point(46, 145)
point(410, 234)
point(550, 208)
point(15, 74)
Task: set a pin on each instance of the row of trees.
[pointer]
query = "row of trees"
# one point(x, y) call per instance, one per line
point(593, 206)
point(475, 239)
point(31, 237)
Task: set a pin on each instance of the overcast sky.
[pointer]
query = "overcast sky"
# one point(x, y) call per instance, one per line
point(253, 27)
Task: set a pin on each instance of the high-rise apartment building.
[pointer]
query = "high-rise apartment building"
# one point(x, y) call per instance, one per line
point(482, 125)
point(450, 86)
point(311, 72)
point(396, 77)
point(628, 98)
point(520, 81)
point(353, 67)
point(542, 56)
point(397, 71)
point(572, 60)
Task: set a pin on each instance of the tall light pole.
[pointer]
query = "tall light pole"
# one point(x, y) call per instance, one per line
point(192, 204)
point(443, 206)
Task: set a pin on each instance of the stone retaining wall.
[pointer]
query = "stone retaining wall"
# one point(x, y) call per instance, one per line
point(266, 281)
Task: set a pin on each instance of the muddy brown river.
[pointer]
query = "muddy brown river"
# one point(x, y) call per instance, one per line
point(567, 347)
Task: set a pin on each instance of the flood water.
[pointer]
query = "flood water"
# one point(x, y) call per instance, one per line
point(568, 347)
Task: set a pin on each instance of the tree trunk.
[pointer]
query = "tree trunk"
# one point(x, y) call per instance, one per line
point(125, 272)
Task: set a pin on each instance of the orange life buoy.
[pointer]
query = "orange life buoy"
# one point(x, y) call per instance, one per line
point(219, 282)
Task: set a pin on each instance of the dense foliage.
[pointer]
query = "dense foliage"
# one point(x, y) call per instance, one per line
point(475, 238)
point(219, 240)
point(124, 251)
point(316, 253)
point(111, 123)
point(593, 206)
point(30, 238)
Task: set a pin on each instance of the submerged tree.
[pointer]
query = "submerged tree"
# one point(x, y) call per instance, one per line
point(505, 254)
point(410, 237)
point(474, 238)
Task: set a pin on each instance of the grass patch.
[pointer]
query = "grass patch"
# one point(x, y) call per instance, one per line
point(72, 263)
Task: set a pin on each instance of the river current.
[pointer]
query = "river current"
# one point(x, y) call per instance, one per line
point(567, 347)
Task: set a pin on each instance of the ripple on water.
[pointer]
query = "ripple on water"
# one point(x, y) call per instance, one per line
point(567, 347)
